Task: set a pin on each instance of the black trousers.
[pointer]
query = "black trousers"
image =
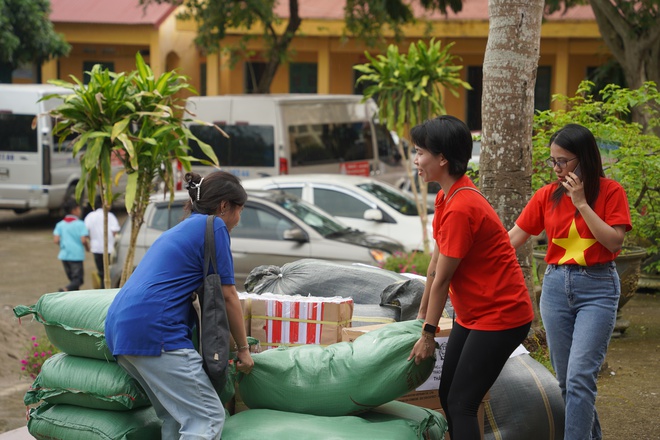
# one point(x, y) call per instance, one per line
point(75, 273)
point(473, 360)
point(98, 259)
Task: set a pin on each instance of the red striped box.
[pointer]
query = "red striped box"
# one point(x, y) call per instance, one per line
point(284, 320)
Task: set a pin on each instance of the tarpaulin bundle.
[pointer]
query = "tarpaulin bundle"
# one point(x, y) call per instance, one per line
point(365, 284)
point(525, 402)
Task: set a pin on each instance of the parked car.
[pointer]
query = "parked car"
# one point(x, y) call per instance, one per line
point(360, 202)
point(274, 229)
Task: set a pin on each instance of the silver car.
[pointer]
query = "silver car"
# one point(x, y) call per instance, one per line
point(274, 229)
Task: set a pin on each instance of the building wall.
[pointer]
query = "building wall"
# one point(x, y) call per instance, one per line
point(569, 49)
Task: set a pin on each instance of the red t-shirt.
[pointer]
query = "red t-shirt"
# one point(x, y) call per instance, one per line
point(487, 290)
point(569, 239)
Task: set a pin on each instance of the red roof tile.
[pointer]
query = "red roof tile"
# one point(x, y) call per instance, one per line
point(129, 12)
point(126, 12)
point(472, 10)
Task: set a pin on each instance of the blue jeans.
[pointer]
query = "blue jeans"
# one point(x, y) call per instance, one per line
point(578, 308)
point(180, 392)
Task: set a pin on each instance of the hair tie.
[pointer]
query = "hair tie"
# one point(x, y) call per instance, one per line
point(199, 187)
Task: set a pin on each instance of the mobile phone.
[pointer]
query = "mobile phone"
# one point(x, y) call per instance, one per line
point(578, 171)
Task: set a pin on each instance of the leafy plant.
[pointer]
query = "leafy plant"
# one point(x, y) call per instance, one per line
point(134, 118)
point(630, 151)
point(401, 262)
point(407, 88)
point(36, 352)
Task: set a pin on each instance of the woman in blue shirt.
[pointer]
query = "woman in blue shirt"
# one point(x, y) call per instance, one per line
point(149, 324)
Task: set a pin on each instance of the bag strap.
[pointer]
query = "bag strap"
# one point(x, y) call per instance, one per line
point(209, 259)
point(466, 187)
point(209, 246)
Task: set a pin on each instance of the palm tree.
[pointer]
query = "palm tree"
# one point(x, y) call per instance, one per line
point(408, 90)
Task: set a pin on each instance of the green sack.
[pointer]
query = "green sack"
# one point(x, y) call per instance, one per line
point(91, 383)
point(340, 379)
point(428, 424)
point(68, 422)
point(395, 421)
point(74, 321)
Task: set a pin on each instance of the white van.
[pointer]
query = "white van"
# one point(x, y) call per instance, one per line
point(35, 171)
point(293, 134)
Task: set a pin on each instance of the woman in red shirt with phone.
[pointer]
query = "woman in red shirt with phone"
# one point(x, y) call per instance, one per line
point(585, 216)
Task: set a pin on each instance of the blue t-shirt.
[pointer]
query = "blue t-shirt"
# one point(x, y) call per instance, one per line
point(153, 311)
point(71, 230)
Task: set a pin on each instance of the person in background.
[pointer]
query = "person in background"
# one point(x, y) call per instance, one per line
point(72, 236)
point(474, 264)
point(94, 223)
point(585, 217)
point(149, 325)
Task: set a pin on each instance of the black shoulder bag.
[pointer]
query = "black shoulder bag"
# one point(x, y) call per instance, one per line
point(212, 322)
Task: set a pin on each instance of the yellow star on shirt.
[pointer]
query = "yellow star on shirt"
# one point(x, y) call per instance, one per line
point(574, 245)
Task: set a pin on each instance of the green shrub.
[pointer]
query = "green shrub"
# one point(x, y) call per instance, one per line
point(414, 262)
point(37, 350)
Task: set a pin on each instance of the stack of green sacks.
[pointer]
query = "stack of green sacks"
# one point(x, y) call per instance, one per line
point(343, 391)
point(85, 393)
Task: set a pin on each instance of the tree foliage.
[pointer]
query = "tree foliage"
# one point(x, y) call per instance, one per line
point(27, 35)
point(631, 30)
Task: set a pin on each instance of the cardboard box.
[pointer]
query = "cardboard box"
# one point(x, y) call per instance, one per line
point(349, 334)
point(277, 320)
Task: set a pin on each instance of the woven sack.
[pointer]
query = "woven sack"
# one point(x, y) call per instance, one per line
point(339, 379)
point(389, 422)
point(74, 321)
point(68, 422)
point(90, 383)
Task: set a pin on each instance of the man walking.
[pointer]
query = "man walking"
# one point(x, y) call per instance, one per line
point(72, 236)
point(94, 223)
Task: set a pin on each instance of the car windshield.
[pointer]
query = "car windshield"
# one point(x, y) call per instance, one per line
point(396, 200)
point(315, 218)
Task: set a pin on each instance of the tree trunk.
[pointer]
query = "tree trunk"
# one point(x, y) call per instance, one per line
point(509, 76)
point(280, 47)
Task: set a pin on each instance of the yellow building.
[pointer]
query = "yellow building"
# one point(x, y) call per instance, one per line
point(322, 61)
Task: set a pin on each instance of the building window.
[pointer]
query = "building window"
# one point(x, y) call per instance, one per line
point(542, 89)
point(303, 77)
point(88, 65)
point(475, 78)
point(609, 73)
point(542, 93)
point(254, 71)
